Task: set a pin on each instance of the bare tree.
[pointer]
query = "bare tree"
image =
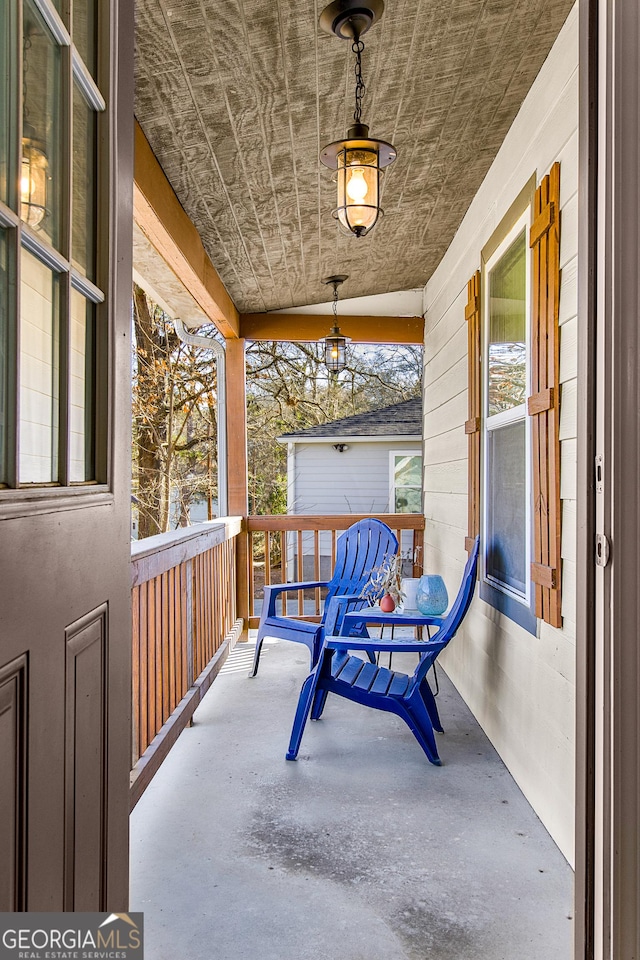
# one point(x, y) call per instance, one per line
point(174, 420)
point(288, 389)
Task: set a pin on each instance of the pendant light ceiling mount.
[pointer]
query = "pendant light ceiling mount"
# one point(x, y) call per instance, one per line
point(359, 160)
point(350, 19)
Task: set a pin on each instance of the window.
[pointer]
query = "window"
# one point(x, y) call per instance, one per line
point(51, 304)
point(406, 483)
point(506, 513)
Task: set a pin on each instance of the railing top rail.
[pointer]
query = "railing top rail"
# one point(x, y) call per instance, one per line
point(155, 555)
point(302, 521)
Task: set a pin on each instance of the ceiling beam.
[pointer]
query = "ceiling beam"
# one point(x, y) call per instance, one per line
point(160, 216)
point(307, 326)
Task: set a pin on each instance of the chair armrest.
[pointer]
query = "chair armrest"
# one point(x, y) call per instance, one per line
point(336, 609)
point(276, 588)
point(373, 645)
point(273, 590)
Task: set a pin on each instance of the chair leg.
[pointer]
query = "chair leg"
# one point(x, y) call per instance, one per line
point(256, 659)
point(302, 713)
point(418, 719)
point(318, 703)
point(428, 699)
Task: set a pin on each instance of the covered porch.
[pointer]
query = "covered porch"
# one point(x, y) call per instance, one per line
point(359, 849)
point(517, 679)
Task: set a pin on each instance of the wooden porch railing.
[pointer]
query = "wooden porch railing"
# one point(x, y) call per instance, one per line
point(194, 593)
point(184, 625)
point(300, 547)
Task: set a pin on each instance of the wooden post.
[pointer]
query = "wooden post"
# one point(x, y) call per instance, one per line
point(237, 477)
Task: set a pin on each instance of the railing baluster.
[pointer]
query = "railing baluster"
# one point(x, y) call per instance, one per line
point(284, 547)
point(300, 573)
point(135, 676)
point(252, 577)
point(316, 569)
point(190, 623)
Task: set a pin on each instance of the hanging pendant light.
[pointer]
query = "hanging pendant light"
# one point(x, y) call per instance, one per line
point(34, 163)
point(335, 344)
point(33, 178)
point(359, 161)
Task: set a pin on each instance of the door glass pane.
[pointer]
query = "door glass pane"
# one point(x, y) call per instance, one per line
point(6, 73)
point(507, 328)
point(408, 470)
point(84, 32)
point(39, 372)
point(40, 178)
point(408, 500)
point(507, 513)
point(84, 183)
point(4, 335)
point(81, 380)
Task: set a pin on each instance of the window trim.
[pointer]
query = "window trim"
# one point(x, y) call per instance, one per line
point(512, 603)
point(25, 498)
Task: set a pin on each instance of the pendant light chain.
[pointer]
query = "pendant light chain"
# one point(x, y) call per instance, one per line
point(335, 302)
point(358, 47)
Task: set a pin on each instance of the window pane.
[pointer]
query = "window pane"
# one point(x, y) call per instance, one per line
point(40, 178)
point(4, 336)
point(507, 328)
point(84, 32)
point(408, 500)
point(84, 182)
point(39, 372)
point(507, 510)
point(6, 83)
point(81, 380)
point(408, 470)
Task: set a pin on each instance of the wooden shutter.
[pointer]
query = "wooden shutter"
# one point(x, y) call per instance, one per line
point(472, 426)
point(544, 403)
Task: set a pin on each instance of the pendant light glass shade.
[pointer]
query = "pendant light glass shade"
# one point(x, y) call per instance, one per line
point(359, 164)
point(335, 351)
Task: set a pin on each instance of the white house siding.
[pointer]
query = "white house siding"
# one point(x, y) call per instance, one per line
point(357, 481)
point(520, 687)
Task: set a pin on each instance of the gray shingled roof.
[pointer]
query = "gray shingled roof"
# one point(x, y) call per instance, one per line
point(399, 420)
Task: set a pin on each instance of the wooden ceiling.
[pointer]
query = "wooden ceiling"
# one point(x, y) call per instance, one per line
point(237, 97)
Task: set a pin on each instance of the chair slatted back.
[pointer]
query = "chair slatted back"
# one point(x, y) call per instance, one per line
point(454, 618)
point(359, 550)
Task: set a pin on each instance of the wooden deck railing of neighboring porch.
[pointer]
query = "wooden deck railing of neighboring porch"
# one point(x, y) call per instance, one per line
point(300, 547)
point(194, 593)
point(184, 624)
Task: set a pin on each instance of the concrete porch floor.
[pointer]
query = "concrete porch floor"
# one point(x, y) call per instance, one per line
point(361, 850)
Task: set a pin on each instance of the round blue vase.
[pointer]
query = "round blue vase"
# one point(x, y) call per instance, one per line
point(431, 596)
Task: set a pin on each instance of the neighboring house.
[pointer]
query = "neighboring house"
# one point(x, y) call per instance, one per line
point(370, 463)
point(488, 457)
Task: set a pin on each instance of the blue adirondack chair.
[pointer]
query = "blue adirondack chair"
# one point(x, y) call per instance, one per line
point(410, 697)
point(359, 550)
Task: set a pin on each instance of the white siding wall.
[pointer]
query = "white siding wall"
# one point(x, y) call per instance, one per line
point(520, 687)
point(321, 480)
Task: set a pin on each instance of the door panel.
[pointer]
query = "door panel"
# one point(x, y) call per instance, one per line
point(13, 764)
point(65, 582)
point(86, 731)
